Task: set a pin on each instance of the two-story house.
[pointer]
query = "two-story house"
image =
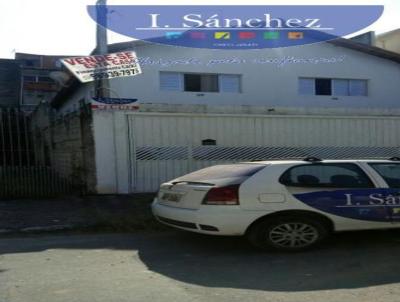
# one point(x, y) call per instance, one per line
point(198, 107)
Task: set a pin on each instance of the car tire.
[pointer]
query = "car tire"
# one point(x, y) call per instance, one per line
point(288, 233)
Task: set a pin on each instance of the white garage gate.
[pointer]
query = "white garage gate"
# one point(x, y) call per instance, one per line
point(166, 145)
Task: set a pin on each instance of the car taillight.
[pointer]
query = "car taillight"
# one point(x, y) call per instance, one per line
point(228, 195)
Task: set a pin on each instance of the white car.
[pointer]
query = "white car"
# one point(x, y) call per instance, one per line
point(286, 205)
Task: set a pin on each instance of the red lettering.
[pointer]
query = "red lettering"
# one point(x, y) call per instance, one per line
point(121, 55)
point(100, 58)
point(90, 60)
point(108, 57)
point(129, 55)
point(70, 61)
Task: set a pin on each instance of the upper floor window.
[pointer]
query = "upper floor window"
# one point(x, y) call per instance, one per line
point(31, 79)
point(45, 79)
point(199, 82)
point(333, 87)
point(37, 79)
point(31, 62)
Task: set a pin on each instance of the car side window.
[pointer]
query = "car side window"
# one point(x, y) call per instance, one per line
point(389, 172)
point(327, 176)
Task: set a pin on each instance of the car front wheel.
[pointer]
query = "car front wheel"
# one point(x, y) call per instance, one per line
point(287, 233)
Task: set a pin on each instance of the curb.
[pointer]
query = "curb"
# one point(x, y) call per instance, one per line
point(59, 227)
point(5, 231)
point(46, 228)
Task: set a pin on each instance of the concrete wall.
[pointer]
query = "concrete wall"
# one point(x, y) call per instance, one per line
point(66, 143)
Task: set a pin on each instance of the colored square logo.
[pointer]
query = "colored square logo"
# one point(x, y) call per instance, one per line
point(222, 35)
point(295, 35)
point(247, 35)
point(271, 35)
point(173, 35)
point(198, 35)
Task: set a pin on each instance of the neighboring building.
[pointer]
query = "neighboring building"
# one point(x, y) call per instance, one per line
point(368, 38)
point(36, 82)
point(9, 83)
point(389, 40)
point(200, 107)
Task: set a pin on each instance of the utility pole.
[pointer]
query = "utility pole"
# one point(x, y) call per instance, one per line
point(101, 85)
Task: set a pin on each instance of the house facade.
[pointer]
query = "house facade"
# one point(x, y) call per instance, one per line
point(200, 107)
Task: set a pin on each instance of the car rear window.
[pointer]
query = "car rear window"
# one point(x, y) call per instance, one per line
point(341, 175)
point(390, 173)
point(223, 171)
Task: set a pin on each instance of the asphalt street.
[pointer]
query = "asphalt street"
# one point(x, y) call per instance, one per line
point(179, 266)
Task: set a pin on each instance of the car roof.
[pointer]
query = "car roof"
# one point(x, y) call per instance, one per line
point(297, 161)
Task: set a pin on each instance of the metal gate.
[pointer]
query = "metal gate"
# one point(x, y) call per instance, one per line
point(24, 169)
point(164, 146)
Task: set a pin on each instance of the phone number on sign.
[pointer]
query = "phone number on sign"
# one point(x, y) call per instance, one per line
point(113, 74)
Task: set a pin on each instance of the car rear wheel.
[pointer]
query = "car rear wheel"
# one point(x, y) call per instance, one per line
point(287, 233)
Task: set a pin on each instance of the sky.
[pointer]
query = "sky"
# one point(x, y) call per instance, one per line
point(63, 27)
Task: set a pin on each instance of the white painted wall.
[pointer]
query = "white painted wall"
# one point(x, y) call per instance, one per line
point(239, 137)
point(267, 84)
point(119, 134)
point(111, 151)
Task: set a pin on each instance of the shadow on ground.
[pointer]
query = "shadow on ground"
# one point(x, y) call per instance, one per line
point(113, 212)
point(349, 260)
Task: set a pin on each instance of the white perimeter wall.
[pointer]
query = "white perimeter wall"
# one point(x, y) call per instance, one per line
point(119, 135)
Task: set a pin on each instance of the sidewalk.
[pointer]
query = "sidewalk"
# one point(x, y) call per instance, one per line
point(107, 212)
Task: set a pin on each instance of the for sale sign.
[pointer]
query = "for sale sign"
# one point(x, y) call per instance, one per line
point(108, 66)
